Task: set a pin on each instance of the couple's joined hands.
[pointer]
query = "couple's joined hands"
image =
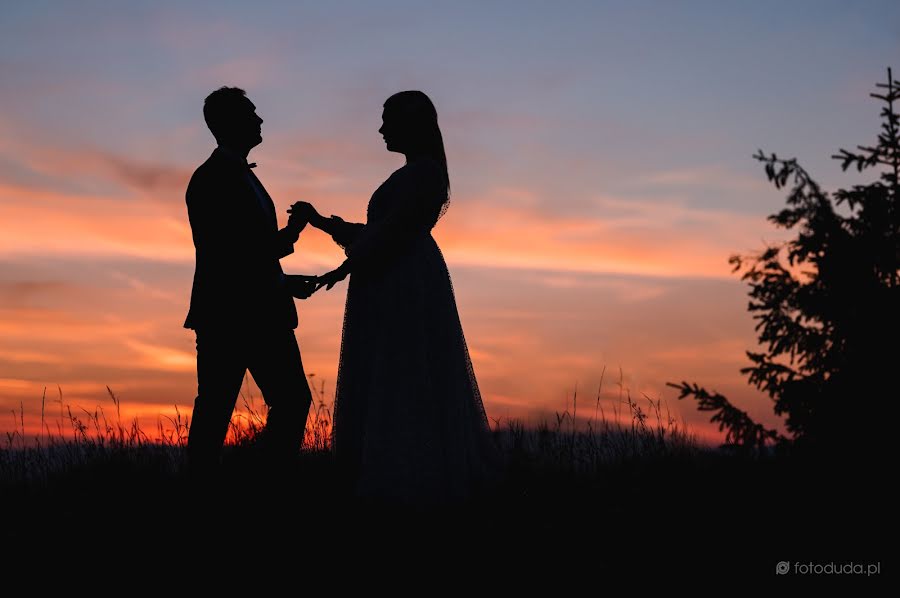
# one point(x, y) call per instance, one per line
point(303, 286)
point(301, 213)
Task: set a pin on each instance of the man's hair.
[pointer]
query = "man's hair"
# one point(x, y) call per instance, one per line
point(220, 105)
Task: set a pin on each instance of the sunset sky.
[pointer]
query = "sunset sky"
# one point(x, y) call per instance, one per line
point(599, 155)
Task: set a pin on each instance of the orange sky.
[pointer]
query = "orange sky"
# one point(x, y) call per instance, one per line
point(599, 159)
point(96, 286)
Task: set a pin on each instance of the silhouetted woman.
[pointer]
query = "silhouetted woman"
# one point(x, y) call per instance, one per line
point(409, 423)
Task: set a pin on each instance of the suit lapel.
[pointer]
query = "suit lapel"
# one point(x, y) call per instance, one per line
point(269, 208)
point(264, 206)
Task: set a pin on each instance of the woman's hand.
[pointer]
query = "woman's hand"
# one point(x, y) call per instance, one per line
point(330, 279)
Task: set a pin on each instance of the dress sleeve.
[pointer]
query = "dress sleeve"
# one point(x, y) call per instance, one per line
point(420, 195)
point(344, 233)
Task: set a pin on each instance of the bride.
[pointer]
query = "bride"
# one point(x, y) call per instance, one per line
point(409, 423)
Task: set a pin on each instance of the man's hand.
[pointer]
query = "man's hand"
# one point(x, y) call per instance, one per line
point(297, 221)
point(301, 286)
point(305, 211)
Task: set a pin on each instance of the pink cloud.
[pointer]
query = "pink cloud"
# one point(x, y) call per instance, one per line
point(53, 224)
point(637, 237)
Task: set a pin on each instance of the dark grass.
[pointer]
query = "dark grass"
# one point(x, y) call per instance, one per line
point(625, 497)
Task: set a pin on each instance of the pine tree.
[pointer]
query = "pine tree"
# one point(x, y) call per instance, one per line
point(826, 305)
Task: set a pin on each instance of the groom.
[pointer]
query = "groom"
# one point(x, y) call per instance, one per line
point(241, 305)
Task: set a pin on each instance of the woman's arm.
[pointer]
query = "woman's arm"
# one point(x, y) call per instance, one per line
point(420, 197)
point(344, 233)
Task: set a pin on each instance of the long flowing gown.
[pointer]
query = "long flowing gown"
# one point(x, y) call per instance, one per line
point(409, 422)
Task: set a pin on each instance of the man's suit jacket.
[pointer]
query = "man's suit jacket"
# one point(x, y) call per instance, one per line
point(238, 280)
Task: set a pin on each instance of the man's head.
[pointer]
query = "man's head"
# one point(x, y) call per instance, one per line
point(232, 118)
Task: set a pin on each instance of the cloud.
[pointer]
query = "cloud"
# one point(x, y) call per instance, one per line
point(640, 237)
point(162, 358)
point(506, 227)
point(713, 176)
point(21, 293)
point(624, 289)
point(147, 290)
point(531, 341)
point(59, 169)
point(150, 178)
point(53, 224)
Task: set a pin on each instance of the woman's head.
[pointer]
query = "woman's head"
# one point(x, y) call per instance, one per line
point(410, 127)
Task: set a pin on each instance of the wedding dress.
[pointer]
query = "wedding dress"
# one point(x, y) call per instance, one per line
point(409, 423)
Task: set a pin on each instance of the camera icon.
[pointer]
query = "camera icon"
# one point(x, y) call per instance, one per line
point(783, 568)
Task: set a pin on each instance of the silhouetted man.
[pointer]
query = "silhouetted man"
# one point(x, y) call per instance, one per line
point(241, 305)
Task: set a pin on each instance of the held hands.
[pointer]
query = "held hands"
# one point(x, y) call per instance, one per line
point(329, 279)
point(301, 286)
point(303, 211)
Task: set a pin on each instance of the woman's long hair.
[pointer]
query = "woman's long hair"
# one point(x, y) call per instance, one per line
point(422, 122)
